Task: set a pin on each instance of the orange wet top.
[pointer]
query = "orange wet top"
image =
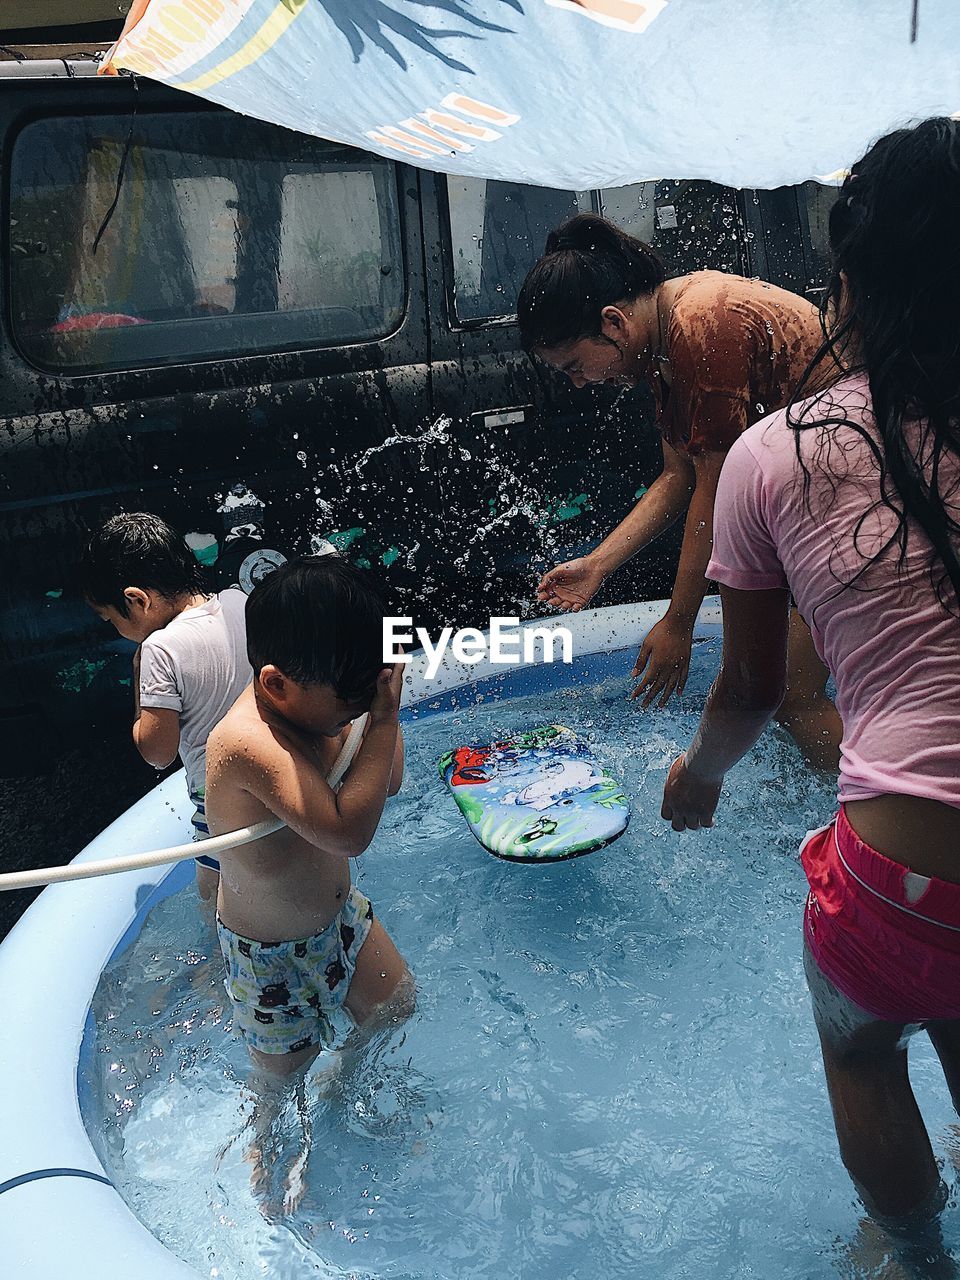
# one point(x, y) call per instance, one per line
point(737, 350)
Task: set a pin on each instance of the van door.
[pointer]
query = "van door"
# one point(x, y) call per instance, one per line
point(207, 317)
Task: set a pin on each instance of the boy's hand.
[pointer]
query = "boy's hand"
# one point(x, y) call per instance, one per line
point(385, 707)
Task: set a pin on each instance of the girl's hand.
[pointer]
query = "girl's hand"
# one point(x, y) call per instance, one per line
point(385, 707)
point(689, 802)
point(666, 656)
point(571, 586)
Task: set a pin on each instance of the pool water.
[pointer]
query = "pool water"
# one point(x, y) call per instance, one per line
point(612, 1070)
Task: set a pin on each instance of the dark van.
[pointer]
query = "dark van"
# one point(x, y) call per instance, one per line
point(279, 343)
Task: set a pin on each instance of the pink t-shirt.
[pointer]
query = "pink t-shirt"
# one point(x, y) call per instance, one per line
point(893, 650)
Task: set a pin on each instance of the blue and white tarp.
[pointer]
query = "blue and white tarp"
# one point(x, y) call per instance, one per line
point(568, 93)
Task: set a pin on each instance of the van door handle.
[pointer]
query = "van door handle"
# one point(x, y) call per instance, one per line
point(506, 417)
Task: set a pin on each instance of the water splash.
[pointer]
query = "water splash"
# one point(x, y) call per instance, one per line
point(436, 433)
point(515, 501)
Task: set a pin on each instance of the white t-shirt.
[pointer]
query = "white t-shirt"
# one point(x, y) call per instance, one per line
point(197, 665)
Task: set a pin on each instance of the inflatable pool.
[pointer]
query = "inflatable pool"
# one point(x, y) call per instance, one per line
point(59, 1212)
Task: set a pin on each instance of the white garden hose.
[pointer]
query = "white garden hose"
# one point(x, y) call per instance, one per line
point(178, 852)
point(138, 861)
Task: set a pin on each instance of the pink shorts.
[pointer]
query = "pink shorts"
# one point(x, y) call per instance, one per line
point(887, 938)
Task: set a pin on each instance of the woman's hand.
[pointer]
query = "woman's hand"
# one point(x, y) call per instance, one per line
point(571, 586)
point(663, 661)
point(688, 802)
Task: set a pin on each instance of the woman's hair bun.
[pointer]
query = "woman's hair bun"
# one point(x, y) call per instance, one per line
point(589, 233)
point(588, 264)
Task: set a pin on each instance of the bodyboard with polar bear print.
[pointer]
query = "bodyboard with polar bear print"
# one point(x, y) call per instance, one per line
point(540, 796)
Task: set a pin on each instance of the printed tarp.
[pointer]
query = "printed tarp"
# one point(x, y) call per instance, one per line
point(570, 94)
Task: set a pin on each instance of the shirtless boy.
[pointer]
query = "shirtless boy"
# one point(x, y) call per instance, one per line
point(298, 940)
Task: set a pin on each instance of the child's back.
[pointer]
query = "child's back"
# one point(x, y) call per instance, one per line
point(197, 665)
point(191, 665)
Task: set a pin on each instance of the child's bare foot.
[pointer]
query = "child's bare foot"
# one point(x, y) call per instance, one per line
point(294, 1183)
point(266, 1151)
point(876, 1253)
point(262, 1156)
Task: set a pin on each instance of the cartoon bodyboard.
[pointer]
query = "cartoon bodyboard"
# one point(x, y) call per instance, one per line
point(540, 796)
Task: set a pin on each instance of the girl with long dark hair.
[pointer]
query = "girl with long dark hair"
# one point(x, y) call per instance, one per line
point(850, 500)
point(719, 351)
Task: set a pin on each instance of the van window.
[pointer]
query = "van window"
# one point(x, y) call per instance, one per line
point(497, 232)
point(816, 201)
point(694, 225)
point(154, 239)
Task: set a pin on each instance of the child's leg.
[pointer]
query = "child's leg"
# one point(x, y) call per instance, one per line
point(276, 1078)
point(273, 1069)
point(806, 712)
point(382, 987)
point(883, 1140)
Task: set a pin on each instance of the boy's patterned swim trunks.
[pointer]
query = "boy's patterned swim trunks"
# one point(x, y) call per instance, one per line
point(283, 993)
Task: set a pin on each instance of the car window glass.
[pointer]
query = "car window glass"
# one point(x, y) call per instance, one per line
point(314, 261)
point(159, 238)
point(497, 231)
point(693, 225)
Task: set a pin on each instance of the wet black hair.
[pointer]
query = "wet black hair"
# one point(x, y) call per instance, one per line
point(895, 235)
point(138, 549)
point(588, 264)
point(319, 619)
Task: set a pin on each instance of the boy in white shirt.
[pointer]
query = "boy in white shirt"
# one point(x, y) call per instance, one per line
point(191, 665)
